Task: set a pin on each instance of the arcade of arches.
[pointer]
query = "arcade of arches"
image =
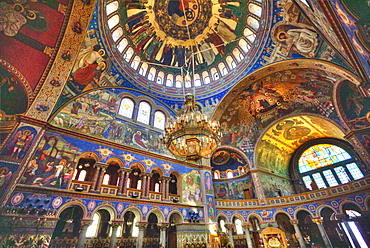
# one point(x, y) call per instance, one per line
point(87, 87)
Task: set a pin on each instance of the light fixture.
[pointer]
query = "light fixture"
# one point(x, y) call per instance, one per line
point(191, 135)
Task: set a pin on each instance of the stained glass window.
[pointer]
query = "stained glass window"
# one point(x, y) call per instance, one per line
point(330, 178)
point(321, 155)
point(113, 6)
point(159, 120)
point(126, 108)
point(307, 181)
point(342, 174)
point(319, 181)
point(355, 171)
point(143, 115)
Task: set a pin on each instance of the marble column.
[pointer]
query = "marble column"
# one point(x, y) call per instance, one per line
point(82, 236)
point(113, 238)
point(122, 187)
point(95, 178)
point(141, 226)
point(302, 244)
point(101, 177)
point(247, 234)
point(165, 188)
point(230, 232)
point(163, 227)
point(324, 235)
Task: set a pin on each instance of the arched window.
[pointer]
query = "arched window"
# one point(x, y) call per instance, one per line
point(230, 62)
point(143, 69)
point(92, 230)
point(159, 119)
point(222, 226)
point(106, 179)
point(253, 22)
point(206, 78)
point(229, 174)
point(126, 107)
point(244, 45)
point(111, 7)
point(151, 74)
point(214, 74)
point(117, 34)
point(238, 227)
point(255, 9)
point(122, 45)
point(156, 187)
point(138, 184)
point(82, 175)
point(135, 62)
point(216, 175)
point(197, 81)
point(160, 77)
point(325, 165)
point(113, 21)
point(143, 115)
point(128, 54)
point(238, 55)
point(249, 34)
point(222, 68)
point(169, 81)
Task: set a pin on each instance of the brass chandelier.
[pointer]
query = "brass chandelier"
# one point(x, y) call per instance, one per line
point(191, 135)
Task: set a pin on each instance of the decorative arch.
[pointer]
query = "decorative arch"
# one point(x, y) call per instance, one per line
point(321, 207)
point(159, 170)
point(175, 211)
point(346, 201)
point(137, 165)
point(117, 161)
point(158, 213)
point(259, 218)
point(90, 155)
point(72, 204)
point(224, 217)
point(303, 209)
point(281, 212)
point(106, 206)
point(135, 210)
point(238, 216)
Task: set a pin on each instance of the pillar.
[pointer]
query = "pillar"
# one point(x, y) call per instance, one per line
point(230, 231)
point(247, 234)
point(302, 244)
point(113, 238)
point(165, 189)
point(122, 187)
point(82, 236)
point(101, 177)
point(141, 226)
point(324, 235)
point(163, 227)
point(95, 178)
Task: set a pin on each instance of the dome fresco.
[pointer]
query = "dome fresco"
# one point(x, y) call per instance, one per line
point(174, 45)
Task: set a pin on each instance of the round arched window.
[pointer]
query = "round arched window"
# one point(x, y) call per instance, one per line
point(326, 165)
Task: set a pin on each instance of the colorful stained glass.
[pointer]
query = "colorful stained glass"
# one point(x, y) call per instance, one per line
point(321, 155)
point(159, 120)
point(144, 113)
point(355, 171)
point(307, 181)
point(319, 181)
point(126, 108)
point(330, 178)
point(342, 174)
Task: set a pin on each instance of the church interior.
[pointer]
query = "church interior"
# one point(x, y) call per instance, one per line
point(184, 123)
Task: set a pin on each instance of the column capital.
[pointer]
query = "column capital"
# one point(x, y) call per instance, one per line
point(229, 226)
point(318, 220)
point(85, 223)
point(100, 165)
point(247, 225)
point(163, 226)
point(122, 170)
point(145, 174)
point(116, 223)
point(165, 179)
point(294, 222)
point(141, 225)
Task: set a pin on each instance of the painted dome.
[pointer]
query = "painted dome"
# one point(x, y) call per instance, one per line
point(170, 46)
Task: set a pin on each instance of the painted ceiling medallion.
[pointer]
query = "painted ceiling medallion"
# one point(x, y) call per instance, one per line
point(183, 19)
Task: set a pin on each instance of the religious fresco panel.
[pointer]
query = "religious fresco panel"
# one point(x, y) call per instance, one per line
point(56, 157)
point(191, 192)
point(285, 92)
point(354, 106)
point(7, 173)
point(97, 114)
point(234, 189)
point(19, 143)
point(31, 30)
point(275, 187)
point(225, 159)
